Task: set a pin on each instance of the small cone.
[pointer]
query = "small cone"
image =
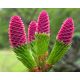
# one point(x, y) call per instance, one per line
point(17, 35)
point(66, 32)
point(31, 31)
point(63, 40)
point(43, 23)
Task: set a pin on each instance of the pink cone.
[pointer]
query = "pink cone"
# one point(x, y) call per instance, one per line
point(31, 31)
point(65, 34)
point(43, 23)
point(17, 35)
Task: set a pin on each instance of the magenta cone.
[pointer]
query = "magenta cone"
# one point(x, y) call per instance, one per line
point(43, 23)
point(17, 35)
point(66, 32)
point(31, 31)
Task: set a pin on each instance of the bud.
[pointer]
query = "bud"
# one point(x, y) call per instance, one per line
point(17, 35)
point(66, 32)
point(31, 31)
point(43, 23)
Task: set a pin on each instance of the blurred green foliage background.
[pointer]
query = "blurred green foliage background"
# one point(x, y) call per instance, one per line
point(8, 61)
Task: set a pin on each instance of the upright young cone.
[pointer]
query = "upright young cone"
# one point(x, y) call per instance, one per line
point(43, 32)
point(17, 35)
point(17, 38)
point(63, 41)
point(31, 38)
point(66, 32)
point(43, 23)
point(31, 31)
point(42, 37)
